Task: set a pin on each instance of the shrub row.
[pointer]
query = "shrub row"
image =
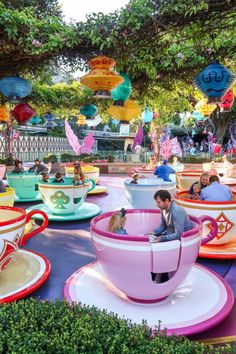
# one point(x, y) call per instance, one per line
point(33, 326)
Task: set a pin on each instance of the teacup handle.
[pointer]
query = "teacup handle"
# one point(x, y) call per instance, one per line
point(39, 229)
point(93, 183)
point(214, 230)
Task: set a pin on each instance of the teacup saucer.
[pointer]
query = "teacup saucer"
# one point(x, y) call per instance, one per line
point(199, 303)
point(226, 251)
point(22, 200)
point(27, 272)
point(98, 190)
point(87, 210)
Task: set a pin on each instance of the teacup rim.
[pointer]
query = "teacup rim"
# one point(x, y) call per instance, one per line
point(135, 238)
point(177, 196)
point(14, 220)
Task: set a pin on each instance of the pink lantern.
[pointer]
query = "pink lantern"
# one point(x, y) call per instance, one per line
point(227, 101)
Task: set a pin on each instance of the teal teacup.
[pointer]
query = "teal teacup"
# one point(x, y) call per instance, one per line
point(65, 198)
point(25, 184)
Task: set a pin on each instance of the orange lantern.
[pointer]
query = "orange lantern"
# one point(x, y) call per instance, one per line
point(101, 79)
point(205, 108)
point(125, 113)
point(4, 114)
point(81, 120)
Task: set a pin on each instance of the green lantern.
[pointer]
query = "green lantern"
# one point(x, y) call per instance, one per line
point(122, 92)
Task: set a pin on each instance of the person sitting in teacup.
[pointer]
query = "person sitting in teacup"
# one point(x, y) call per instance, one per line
point(45, 177)
point(117, 222)
point(18, 167)
point(58, 178)
point(174, 219)
point(164, 171)
point(216, 192)
point(204, 182)
point(38, 167)
point(77, 180)
point(135, 178)
point(2, 187)
point(196, 192)
point(78, 171)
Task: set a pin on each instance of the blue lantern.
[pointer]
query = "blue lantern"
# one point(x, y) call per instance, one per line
point(15, 88)
point(147, 115)
point(198, 116)
point(122, 92)
point(88, 110)
point(214, 81)
point(35, 120)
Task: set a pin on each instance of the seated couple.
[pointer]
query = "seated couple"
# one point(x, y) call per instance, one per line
point(174, 220)
point(210, 189)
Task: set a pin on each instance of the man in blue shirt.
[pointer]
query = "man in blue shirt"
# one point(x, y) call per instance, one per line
point(164, 171)
point(174, 219)
point(216, 192)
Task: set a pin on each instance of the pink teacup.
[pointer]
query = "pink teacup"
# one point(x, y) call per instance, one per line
point(130, 261)
point(12, 226)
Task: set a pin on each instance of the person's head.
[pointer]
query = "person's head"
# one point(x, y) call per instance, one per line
point(175, 159)
point(18, 163)
point(196, 188)
point(77, 169)
point(163, 199)
point(45, 177)
point(117, 220)
point(204, 178)
point(135, 176)
point(58, 175)
point(214, 179)
point(164, 162)
point(37, 162)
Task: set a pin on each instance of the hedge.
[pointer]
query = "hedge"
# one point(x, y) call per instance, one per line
point(34, 326)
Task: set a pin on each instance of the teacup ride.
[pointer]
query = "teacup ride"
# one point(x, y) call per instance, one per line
point(141, 195)
point(223, 246)
point(90, 172)
point(22, 271)
point(124, 276)
point(223, 169)
point(7, 198)
point(148, 171)
point(65, 202)
point(25, 185)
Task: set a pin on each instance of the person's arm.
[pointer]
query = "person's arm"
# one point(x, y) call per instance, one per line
point(178, 218)
point(161, 228)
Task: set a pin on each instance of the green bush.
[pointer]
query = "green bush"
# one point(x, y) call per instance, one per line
point(8, 161)
point(33, 326)
point(111, 158)
point(88, 159)
point(50, 158)
point(68, 157)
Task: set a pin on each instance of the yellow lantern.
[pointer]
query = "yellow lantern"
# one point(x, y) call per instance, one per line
point(81, 120)
point(4, 114)
point(101, 79)
point(129, 111)
point(204, 108)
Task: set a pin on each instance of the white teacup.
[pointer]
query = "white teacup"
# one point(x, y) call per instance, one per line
point(12, 226)
point(65, 198)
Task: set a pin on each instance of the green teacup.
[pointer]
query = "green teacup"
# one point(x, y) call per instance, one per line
point(65, 198)
point(25, 184)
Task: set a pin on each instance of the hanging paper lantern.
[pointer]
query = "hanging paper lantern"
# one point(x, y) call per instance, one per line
point(214, 81)
point(4, 114)
point(125, 113)
point(227, 101)
point(115, 121)
point(204, 108)
point(81, 120)
point(147, 115)
point(101, 79)
point(198, 116)
point(122, 92)
point(88, 110)
point(23, 112)
point(35, 120)
point(15, 88)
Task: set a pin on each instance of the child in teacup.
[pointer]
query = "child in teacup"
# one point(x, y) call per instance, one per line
point(45, 177)
point(77, 180)
point(58, 178)
point(196, 192)
point(78, 171)
point(117, 222)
